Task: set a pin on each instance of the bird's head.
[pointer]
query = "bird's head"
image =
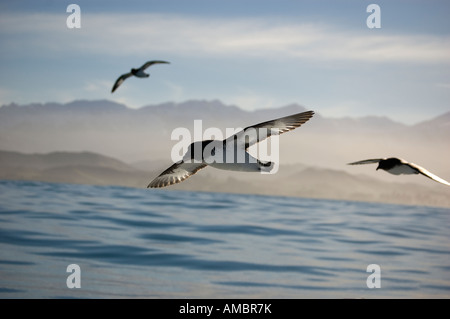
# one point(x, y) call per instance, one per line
point(388, 163)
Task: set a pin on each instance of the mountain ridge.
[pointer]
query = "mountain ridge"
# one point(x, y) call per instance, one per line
point(145, 134)
point(292, 180)
point(200, 104)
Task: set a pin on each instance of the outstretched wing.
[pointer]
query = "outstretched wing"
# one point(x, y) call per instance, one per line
point(147, 64)
point(176, 173)
point(368, 161)
point(120, 80)
point(428, 174)
point(259, 132)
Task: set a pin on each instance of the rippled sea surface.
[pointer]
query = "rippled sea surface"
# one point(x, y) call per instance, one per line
point(141, 243)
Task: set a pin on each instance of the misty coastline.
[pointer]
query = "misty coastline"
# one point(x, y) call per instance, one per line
point(106, 143)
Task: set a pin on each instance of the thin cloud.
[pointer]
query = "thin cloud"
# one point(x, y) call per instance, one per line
point(97, 86)
point(125, 34)
point(443, 85)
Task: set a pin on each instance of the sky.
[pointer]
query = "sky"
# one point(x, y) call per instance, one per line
point(253, 54)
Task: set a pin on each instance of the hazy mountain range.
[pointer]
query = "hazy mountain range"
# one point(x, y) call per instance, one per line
point(102, 142)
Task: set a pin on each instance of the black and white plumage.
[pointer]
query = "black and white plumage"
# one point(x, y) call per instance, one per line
point(135, 72)
point(230, 153)
point(398, 166)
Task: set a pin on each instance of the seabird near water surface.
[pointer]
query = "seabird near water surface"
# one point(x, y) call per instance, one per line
point(136, 72)
point(215, 153)
point(398, 166)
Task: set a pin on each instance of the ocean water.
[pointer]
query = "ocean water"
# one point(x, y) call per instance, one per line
point(142, 243)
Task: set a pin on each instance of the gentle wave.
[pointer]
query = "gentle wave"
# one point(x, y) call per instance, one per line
point(175, 244)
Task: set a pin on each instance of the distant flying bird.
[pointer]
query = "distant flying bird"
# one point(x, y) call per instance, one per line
point(136, 72)
point(399, 166)
point(236, 146)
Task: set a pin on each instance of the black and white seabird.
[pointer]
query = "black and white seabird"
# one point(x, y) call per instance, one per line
point(136, 72)
point(398, 166)
point(216, 153)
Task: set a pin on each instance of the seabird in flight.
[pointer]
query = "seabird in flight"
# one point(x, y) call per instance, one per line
point(136, 72)
point(399, 166)
point(230, 153)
